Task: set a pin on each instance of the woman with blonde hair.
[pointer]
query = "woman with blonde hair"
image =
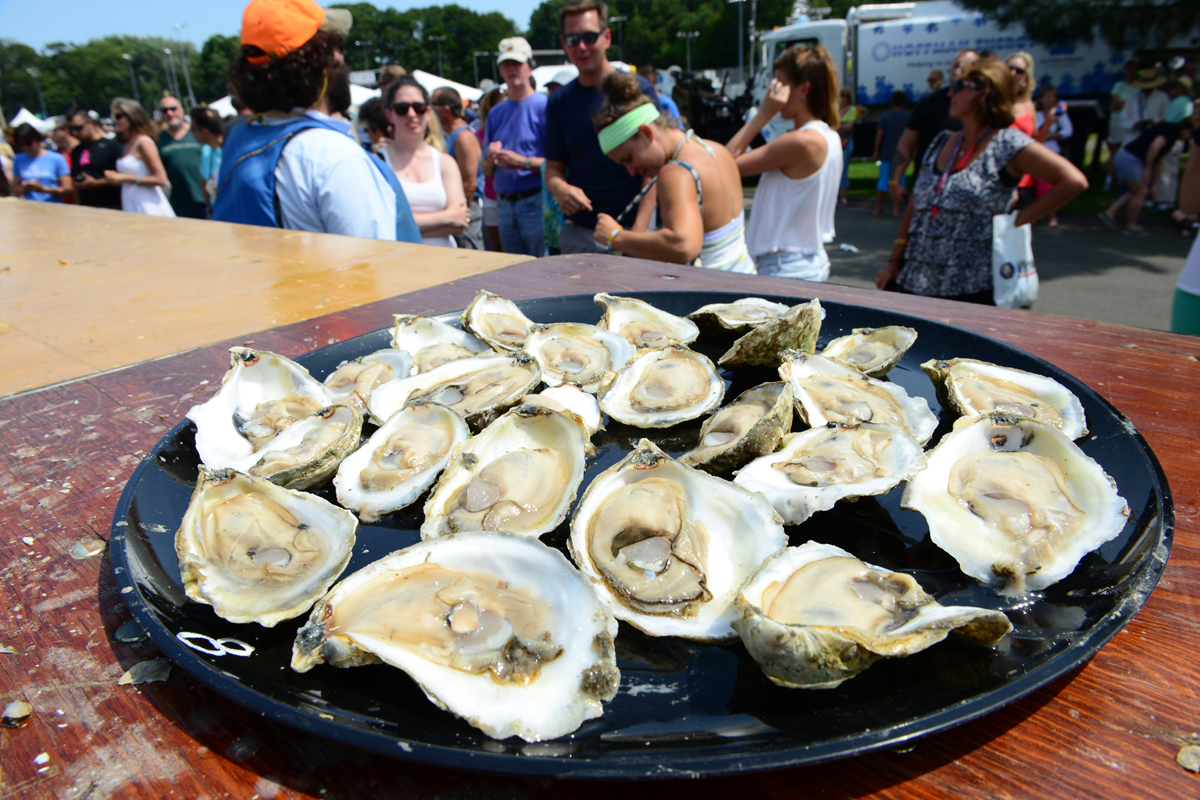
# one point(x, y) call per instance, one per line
point(687, 171)
point(140, 170)
point(797, 194)
point(1020, 65)
point(944, 246)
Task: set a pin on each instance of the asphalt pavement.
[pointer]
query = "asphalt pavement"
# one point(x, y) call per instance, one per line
point(1084, 269)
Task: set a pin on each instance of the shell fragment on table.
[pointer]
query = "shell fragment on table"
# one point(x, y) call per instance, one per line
point(518, 476)
point(815, 615)
point(667, 546)
point(577, 354)
point(400, 461)
point(257, 552)
point(1015, 502)
point(973, 387)
point(497, 321)
point(749, 427)
point(662, 387)
point(478, 389)
point(739, 317)
point(432, 342)
point(797, 329)
point(818, 467)
point(499, 630)
point(872, 351)
point(829, 391)
point(642, 324)
point(351, 384)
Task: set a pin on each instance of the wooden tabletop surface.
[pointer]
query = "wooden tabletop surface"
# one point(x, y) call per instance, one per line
point(1112, 726)
point(83, 290)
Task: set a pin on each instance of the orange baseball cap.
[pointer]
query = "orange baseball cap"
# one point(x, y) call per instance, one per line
point(280, 26)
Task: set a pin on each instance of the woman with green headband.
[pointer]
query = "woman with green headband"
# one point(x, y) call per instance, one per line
point(698, 186)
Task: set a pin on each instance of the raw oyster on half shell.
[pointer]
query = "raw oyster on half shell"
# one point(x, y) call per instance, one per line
point(1016, 502)
point(815, 615)
point(351, 384)
point(257, 552)
point(661, 388)
point(668, 546)
point(797, 329)
point(739, 317)
point(872, 351)
point(432, 343)
point(577, 354)
point(642, 324)
point(498, 630)
point(497, 321)
point(749, 427)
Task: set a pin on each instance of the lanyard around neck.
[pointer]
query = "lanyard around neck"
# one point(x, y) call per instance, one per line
point(953, 167)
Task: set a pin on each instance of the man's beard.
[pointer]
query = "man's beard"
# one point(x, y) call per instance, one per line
point(339, 90)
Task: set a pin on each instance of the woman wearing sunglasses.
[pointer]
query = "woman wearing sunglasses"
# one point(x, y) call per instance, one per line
point(699, 188)
point(430, 178)
point(944, 246)
point(140, 170)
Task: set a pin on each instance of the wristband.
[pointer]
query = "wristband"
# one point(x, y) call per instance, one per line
point(900, 241)
point(137, 181)
point(613, 234)
point(528, 165)
point(893, 183)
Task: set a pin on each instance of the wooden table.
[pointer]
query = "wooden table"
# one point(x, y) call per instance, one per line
point(1112, 726)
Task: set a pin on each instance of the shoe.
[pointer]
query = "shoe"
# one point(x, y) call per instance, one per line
point(1107, 220)
point(1138, 231)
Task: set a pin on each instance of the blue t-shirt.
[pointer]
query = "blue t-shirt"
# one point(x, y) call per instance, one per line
point(46, 169)
point(892, 123)
point(571, 139)
point(519, 126)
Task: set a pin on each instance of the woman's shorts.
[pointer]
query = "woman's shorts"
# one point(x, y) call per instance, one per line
point(1127, 166)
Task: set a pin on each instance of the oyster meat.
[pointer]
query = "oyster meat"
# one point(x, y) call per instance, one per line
point(518, 476)
point(642, 324)
point(351, 384)
point(818, 467)
point(813, 616)
point(400, 461)
point(257, 552)
point(661, 388)
point(749, 427)
point(797, 329)
point(740, 316)
point(872, 351)
point(498, 630)
point(432, 343)
point(668, 546)
point(497, 321)
point(577, 354)
point(1016, 502)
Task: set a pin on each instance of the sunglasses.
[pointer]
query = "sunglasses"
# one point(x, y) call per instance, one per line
point(589, 38)
point(75, 128)
point(118, 115)
point(1017, 70)
point(401, 109)
point(963, 83)
point(165, 109)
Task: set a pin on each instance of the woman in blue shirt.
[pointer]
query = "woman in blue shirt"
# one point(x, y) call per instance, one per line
point(41, 175)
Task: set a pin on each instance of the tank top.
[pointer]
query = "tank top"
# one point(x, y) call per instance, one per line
point(141, 199)
point(425, 196)
point(795, 215)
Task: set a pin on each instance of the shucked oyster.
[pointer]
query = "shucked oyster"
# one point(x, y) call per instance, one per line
point(661, 388)
point(259, 553)
point(813, 616)
point(872, 351)
point(797, 329)
point(667, 546)
point(642, 324)
point(749, 427)
point(497, 321)
point(1015, 502)
point(740, 316)
point(432, 343)
point(499, 630)
point(577, 354)
point(351, 384)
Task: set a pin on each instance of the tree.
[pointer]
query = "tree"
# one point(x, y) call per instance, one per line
point(1122, 24)
point(210, 75)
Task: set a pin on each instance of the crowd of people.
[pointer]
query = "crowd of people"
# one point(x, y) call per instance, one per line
point(599, 162)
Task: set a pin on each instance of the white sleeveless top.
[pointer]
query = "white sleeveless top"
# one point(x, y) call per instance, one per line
point(796, 215)
point(427, 195)
point(141, 199)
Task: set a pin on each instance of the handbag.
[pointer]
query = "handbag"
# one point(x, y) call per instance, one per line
point(1014, 276)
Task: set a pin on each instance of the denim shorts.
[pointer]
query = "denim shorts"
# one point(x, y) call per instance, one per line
point(802, 266)
point(1127, 166)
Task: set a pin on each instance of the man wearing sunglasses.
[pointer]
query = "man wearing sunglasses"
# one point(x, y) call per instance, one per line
point(91, 157)
point(294, 166)
point(180, 153)
point(581, 177)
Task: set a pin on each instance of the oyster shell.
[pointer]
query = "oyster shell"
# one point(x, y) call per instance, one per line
point(642, 324)
point(577, 354)
point(257, 552)
point(307, 453)
point(497, 321)
point(572, 400)
point(400, 461)
point(749, 427)
point(667, 546)
point(797, 329)
point(818, 467)
point(661, 388)
point(1015, 501)
point(498, 630)
point(518, 476)
point(973, 387)
point(829, 391)
point(432, 342)
point(740, 316)
point(872, 351)
point(478, 389)
point(351, 384)
point(814, 616)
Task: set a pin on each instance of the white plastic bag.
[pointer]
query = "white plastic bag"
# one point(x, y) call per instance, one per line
point(1014, 277)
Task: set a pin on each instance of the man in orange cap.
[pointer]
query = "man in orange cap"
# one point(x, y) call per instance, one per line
point(293, 166)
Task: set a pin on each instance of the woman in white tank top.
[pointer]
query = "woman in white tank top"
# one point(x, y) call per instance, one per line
point(431, 181)
point(140, 170)
point(793, 209)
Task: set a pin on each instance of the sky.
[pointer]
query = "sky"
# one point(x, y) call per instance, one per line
point(77, 21)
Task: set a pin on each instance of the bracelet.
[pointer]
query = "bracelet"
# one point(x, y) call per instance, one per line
point(528, 165)
point(900, 241)
point(613, 234)
point(893, 183)
point(137, 181)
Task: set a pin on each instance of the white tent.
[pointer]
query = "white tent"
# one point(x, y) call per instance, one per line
point(224, 106)
point(43, 126)
point(544, 75)
point(431, 82)
point(358, 96)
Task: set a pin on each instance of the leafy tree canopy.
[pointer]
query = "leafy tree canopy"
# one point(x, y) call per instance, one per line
point(1122, 24)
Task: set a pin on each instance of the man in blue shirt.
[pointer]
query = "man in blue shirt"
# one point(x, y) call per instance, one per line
point(582, 179)
point(513, 142)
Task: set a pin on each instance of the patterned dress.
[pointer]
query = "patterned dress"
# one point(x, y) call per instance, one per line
point(950, 254)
